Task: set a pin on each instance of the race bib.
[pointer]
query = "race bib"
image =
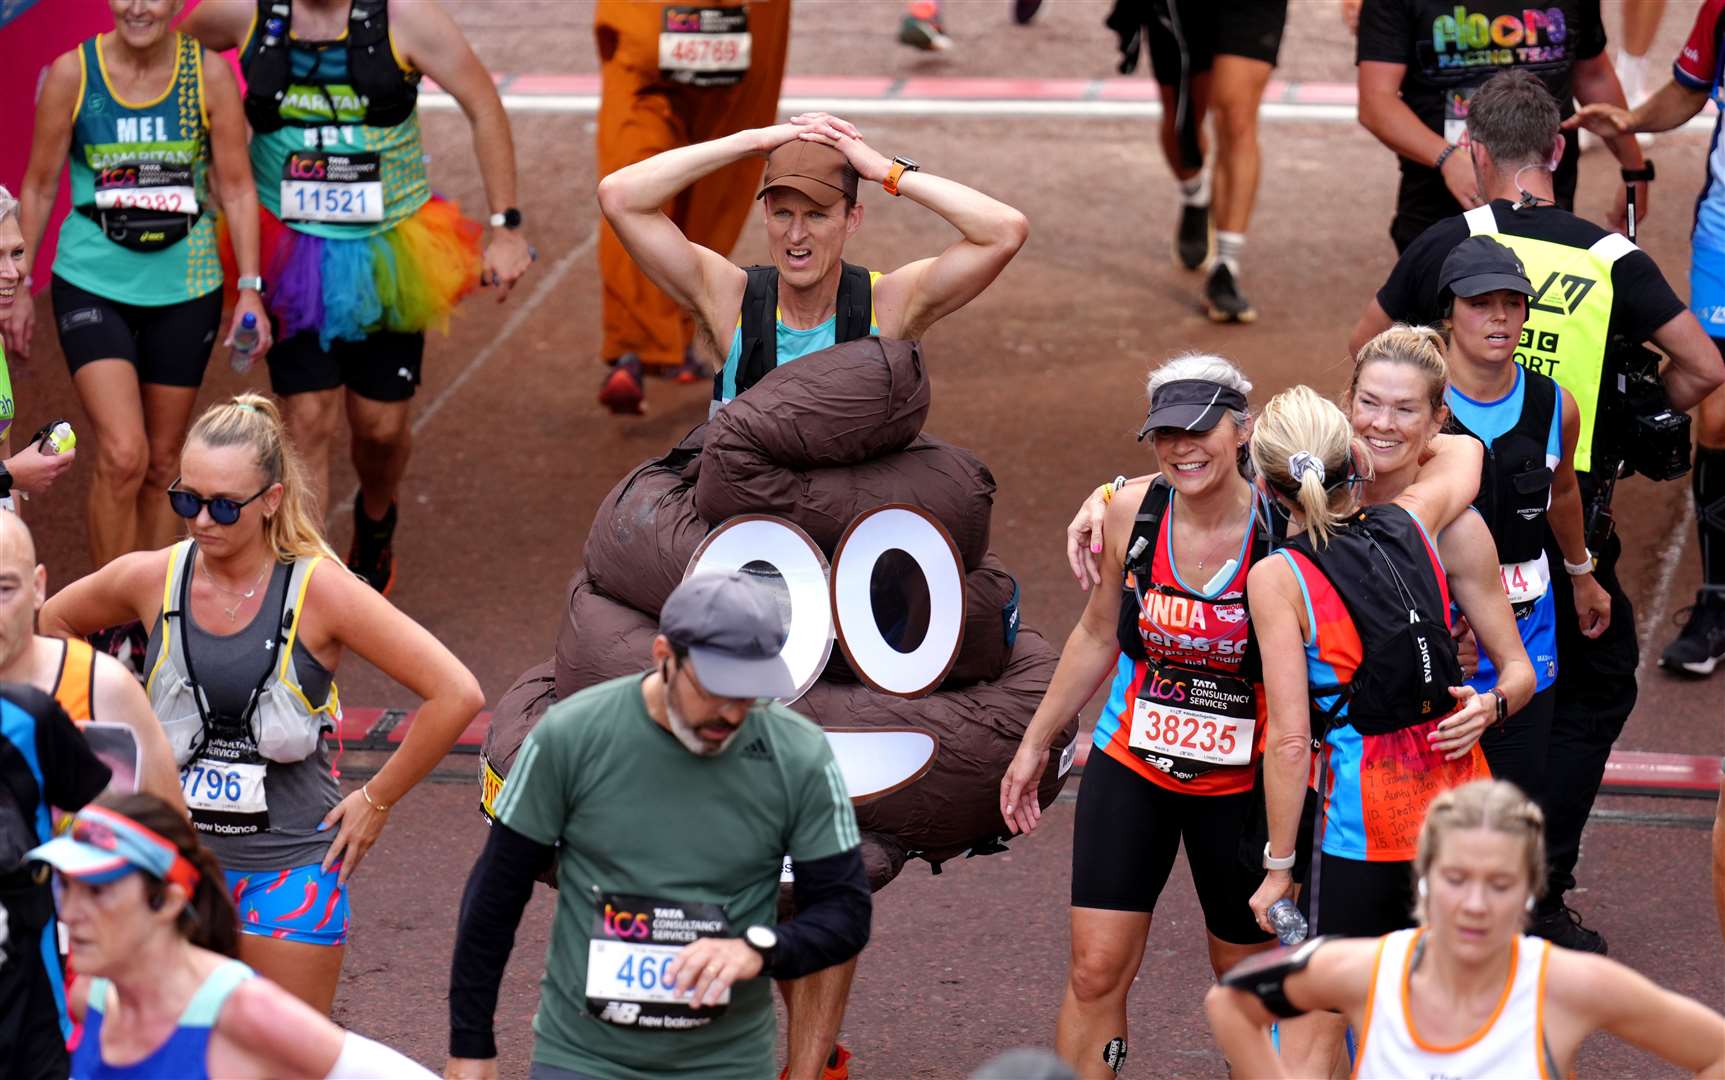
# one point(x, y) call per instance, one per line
point(635, 938)
point(225, 796)
point(342, 188)
point(1198, 716)
point(147, 185)
point(1527, 581)
point(705, 46)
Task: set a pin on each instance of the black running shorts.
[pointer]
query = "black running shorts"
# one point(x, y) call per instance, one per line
point(383, 367)
point(1201, 30)
point(169, 345)
point(1127, 832)
point(1361, 899)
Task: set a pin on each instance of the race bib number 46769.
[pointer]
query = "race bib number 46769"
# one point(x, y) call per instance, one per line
point(705, 46)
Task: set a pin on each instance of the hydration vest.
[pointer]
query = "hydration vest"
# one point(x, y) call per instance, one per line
point(285, 725)
point(1569, 322)
point(1392, 585)
point(389, 93)
point(759, 351)
point(1515, 481)
point(1141, 557)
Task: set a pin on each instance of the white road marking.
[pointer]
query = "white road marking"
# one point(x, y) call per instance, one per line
point(588, 104)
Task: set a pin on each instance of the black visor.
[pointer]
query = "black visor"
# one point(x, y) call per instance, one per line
point(1191, 405)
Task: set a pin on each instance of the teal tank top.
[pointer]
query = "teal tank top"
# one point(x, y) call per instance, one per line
point(794, 344)
point(167, 138)
point(324, 171)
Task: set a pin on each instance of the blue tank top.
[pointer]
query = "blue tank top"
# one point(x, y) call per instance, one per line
point(185, 1056)
point(1538, 622)
point(794, 344)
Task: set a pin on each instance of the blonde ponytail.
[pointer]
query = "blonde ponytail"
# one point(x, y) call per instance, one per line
point(253, 421)
point(1305, 448)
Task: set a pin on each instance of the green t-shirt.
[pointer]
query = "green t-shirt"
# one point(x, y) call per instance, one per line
point(639, 816)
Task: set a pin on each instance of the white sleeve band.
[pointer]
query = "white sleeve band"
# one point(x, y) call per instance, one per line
point(363, 1059)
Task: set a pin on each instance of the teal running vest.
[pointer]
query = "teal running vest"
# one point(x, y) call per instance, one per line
point(149, 157)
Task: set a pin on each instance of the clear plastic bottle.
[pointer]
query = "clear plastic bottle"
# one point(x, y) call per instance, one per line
point(245, 340)
point(1286, 920)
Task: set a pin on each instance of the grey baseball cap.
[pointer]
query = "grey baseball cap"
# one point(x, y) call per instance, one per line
point(731, 626)
point(1480, 265)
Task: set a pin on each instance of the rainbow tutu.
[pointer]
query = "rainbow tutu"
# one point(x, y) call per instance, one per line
point(406, 279)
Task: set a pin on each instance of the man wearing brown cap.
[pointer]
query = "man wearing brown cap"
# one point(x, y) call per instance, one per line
point(808, 298)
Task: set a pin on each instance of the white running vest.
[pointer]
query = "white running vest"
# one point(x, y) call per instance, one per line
point(1510, 1045)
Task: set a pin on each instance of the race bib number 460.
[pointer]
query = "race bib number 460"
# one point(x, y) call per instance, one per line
point(629, 956)
point(705, 46)
point(342, 188)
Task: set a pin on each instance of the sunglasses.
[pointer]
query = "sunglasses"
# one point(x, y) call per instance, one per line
point(223, 510)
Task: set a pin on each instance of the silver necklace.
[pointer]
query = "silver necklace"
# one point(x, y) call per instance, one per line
point(240, 597)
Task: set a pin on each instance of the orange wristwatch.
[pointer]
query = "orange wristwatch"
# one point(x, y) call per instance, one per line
point(900, 166)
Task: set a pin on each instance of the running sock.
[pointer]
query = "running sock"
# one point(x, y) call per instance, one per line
point(373, 528)
point(1229, 247)
point(1196, 191)
point(1708, 484)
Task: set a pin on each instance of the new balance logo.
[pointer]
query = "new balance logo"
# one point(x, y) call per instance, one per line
point(757, 749)
point(620, 1012)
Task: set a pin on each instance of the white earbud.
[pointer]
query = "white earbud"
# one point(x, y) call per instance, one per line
point(1529, 905)
point(1421, 886)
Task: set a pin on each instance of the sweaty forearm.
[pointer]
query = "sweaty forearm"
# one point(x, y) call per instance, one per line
point(494, 146)
point(1084, 663)
point(1672, 105)
point(1695, 369)
point(240, 207)
point(982, 220)
point(497, 893)
point(646, 186)
point(1566, 517)
point(1395, 125)
point(834, 912)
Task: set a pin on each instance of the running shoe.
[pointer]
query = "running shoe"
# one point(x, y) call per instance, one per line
point(1194, 240)
point(622, 392)
point(1223, 300)
point(128, 644)
point(1025, 10)
point(921, 28)
point(692, 370)
point(838, 1067)
point(372, 554)
point(1564, 927)
point(1701, 644)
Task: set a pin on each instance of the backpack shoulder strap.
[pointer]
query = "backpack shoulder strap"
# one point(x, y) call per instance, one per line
point(1147, 526)
point(268, 70)
point(856, 302)
point(758, 352)
point(173, 622)
point(389, 92)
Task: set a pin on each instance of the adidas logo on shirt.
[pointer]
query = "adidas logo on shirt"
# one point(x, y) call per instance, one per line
point(756, 749)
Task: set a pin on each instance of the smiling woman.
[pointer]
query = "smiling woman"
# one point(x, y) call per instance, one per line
point(248, 737)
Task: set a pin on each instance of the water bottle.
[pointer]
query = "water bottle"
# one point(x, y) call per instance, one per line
point(60, 438)
point(1287, 922)
point(245, 340)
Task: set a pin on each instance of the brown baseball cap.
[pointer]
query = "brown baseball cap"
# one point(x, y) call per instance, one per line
point(815, 169)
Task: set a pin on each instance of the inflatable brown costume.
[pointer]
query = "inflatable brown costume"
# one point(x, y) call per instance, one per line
point(817, 443)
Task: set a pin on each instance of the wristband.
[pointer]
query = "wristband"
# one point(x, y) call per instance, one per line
point(1576, 569)
point(1286, 862)
point(1444, 156)
point(1502, 706)
point(1639, 176)
point(250, 281)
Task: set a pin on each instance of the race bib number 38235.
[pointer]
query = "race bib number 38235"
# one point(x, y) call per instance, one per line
point(635, 938)
point(1196, 716)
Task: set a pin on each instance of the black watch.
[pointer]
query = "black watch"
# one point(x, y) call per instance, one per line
point(508, 219)
point(764, 940)
point(1643, 174)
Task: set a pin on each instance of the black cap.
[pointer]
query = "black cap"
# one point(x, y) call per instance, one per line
point(1480, 265)
point(1191, 405)
point(733, 631)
